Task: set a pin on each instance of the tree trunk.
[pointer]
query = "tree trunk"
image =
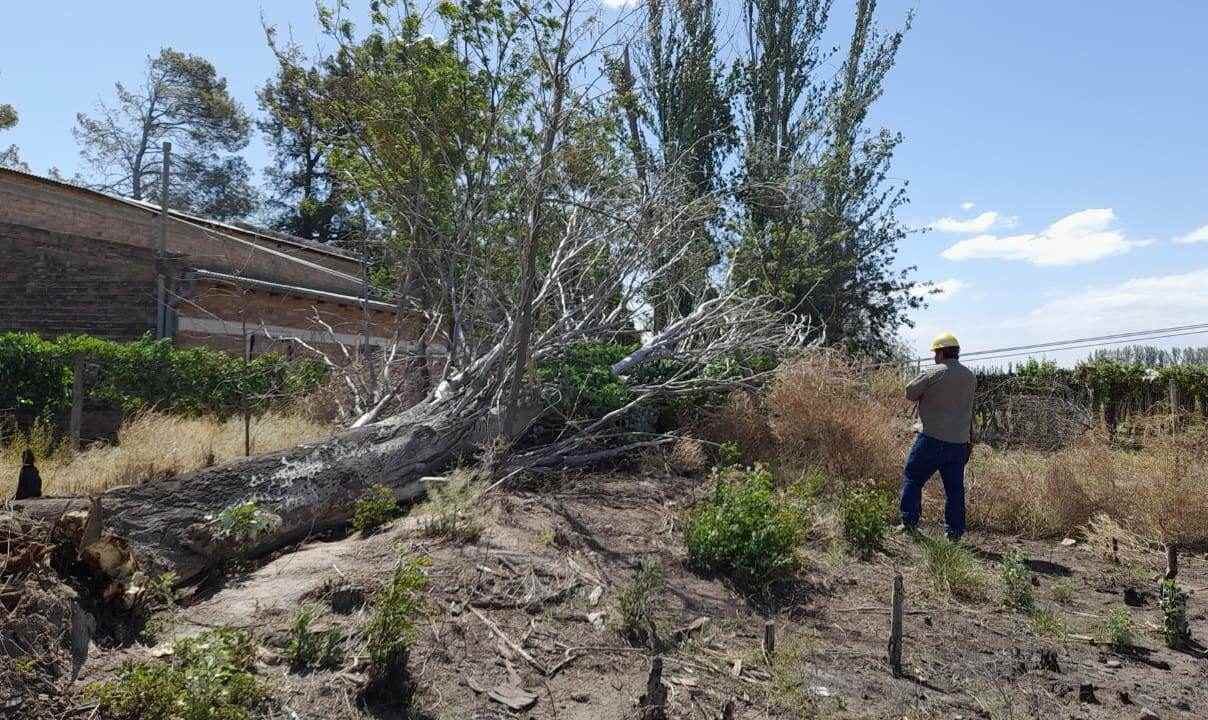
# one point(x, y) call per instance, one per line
point(169, 526)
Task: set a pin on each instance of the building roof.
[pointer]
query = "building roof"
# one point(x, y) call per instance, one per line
point(259, 233)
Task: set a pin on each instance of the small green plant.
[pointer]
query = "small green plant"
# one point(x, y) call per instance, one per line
point(211, 677)
point(376, 507)
point(391, 622)
point(862, 514)
point(1173, 600)
point(952, 569)
point(729, 454)
point(452, 506)
point(1063, 591)
point(1046, 623)
point(243, 522)
point(1118, 629)
point(1017, 583)
point(307, 649)
point(745, 529)
point(637, 604)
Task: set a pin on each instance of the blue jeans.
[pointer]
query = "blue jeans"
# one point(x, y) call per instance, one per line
point(926, 457)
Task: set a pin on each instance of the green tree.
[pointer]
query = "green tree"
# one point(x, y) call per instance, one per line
point(180, 99)
point(10, 157)
point(680, 129)
point(818, 224)
point(303, 196)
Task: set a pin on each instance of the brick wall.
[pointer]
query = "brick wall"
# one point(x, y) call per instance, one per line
point(54, 283)
point(33, 202)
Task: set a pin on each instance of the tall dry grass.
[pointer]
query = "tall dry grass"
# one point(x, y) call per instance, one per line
point(150, 446)
point(825, 412)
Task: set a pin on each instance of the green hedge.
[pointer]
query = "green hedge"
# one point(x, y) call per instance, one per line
point(147, 373)
point(1110, 381)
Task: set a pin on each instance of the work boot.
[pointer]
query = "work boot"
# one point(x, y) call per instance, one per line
point(910, 531)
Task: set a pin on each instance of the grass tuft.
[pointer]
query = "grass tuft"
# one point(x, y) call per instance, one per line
point(952, 569)
point(638, 603)
point(376, 507)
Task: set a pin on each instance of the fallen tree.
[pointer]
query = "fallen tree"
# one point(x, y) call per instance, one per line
point(580, 253)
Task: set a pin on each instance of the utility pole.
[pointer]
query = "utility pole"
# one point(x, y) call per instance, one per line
point(161, 244)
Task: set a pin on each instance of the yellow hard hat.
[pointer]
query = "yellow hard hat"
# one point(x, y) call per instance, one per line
point(945, 340)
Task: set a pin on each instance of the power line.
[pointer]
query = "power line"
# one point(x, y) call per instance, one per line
point(1088, 345)
point(1095, 341)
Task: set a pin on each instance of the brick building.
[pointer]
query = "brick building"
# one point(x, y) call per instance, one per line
point(74, 260)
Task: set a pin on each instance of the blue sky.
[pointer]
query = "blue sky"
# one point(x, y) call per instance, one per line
point(1063, 142)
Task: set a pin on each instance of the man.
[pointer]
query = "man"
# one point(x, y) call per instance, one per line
point(944, 393)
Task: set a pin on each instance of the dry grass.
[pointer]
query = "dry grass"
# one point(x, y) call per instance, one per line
point(150, 446)
point(852, 423)
point(822, 413)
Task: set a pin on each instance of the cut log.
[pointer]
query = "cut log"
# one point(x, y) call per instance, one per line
point(170, 524)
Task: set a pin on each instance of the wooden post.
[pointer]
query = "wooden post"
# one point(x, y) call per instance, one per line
point(1172, 389)
point(77, 400)
point(1172, 561)
point(769, 639)
point(895, 629)
point(161, 244)
point(249, 341)
point(654, 702)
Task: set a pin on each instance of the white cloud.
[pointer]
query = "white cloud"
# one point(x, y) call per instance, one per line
point(967, 206)
point(1137, 304)
point(1080, 237)
point(979, 224)
point(1198, 235)
point(941, 290)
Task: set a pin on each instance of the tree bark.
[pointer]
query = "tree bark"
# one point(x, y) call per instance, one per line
point(169, 526)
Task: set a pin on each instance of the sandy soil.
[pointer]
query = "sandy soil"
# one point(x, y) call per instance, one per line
point(546, 572)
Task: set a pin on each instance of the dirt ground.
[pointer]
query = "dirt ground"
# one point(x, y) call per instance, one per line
point(530, 605)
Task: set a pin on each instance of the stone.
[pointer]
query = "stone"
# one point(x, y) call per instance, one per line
point(1086, 693)
point(1147, 714)
point(1069, 542)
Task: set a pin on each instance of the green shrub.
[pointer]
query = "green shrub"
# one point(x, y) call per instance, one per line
point(862, 514)
point(147, 374)
point(307, 649)
point(637, 604)
point(243, 522)
point(391, 622)
point(211, 677)
point(1173, 600)
point(745, 529)
point(729, 454)
point(1118, 629)
point(376, 507)
point(453, 507)
point(1063, 591)
point(1017, 582)
point(1046, 623)
point(952, 569)
point(582, 382)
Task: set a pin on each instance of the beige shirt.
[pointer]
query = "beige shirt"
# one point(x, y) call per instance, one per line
point(944, 393)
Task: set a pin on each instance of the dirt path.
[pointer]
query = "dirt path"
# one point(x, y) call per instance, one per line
point(529, 604)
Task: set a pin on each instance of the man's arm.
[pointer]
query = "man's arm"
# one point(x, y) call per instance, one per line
point(916, 387)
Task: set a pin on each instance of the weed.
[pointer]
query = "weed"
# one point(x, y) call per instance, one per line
point(729, 454)
point(452, 507)
point(376, 507)
point(210, 678)
point(308, 649)
point(388, 631)
point(1063, 592)
point(1046, 623)
point(952, 569)
point(243, 522)
point(745, 529)
point(547, 537)
point(1173, 600)
point(1118, 629)
point(637, 604)
point(862, 513)
point(787, 690)
point(1017, 583)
